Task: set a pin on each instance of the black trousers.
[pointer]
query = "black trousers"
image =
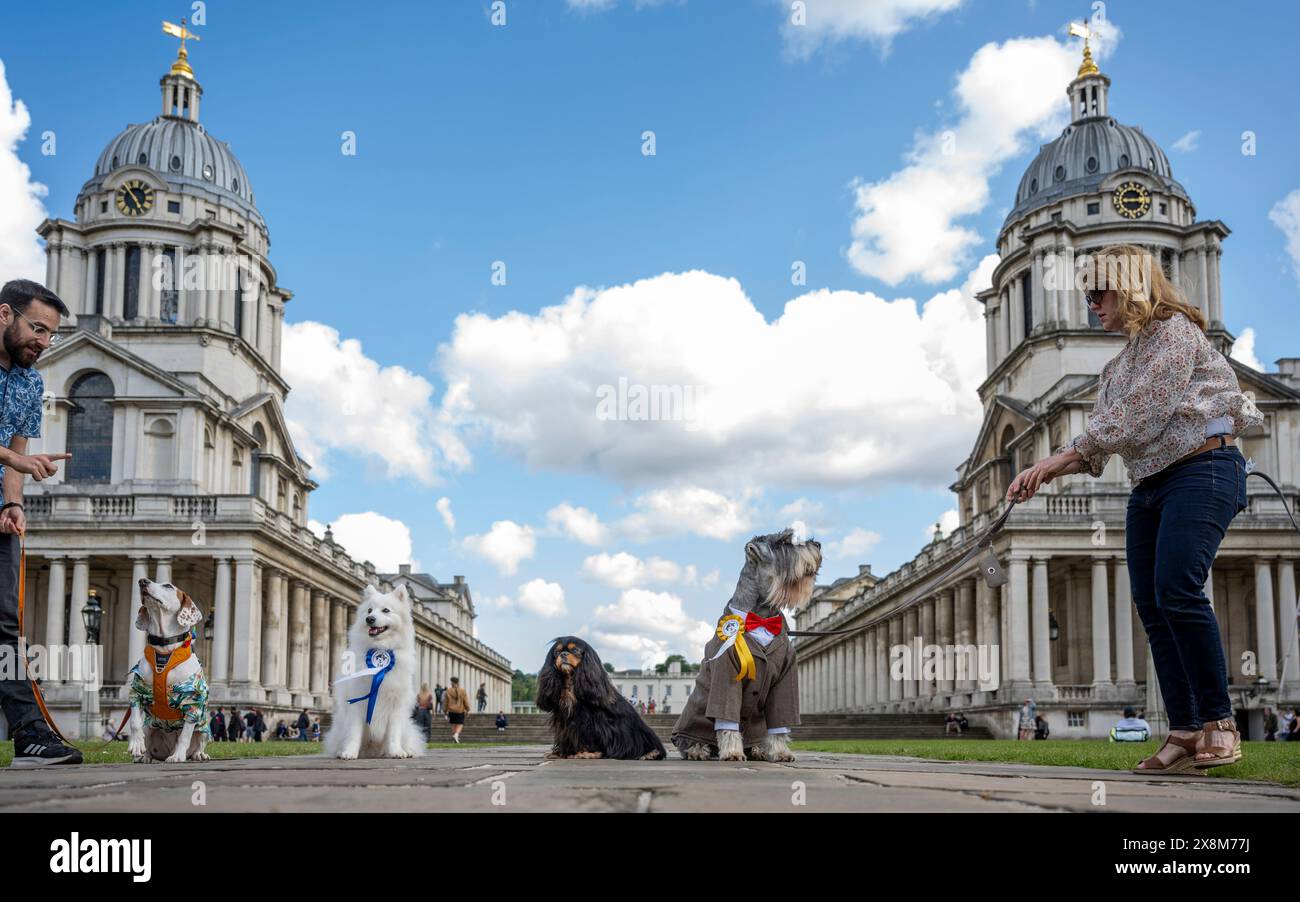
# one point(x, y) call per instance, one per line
point(16, 699)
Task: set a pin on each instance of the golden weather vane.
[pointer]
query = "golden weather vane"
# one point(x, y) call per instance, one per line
point(1081, 30)
point(181, 66)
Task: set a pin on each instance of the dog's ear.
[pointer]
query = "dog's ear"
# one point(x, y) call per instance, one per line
point(402, 595)
point(550, 682)
point(590, 682)
point(189, 613)
point(142, 619)
point(757, 551)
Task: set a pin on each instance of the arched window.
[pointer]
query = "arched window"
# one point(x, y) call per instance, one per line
point(237, 469)
point(90, 429)
point(297, 507)
point(160, 448)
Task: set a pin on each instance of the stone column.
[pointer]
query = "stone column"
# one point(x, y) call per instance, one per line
point(895, 639)
point(299, 615)
point(1124, 680)
point(54, 604)
point(80, 595)
point(339, 637)
point(119, 280)
point(929, 684)
point(1101, 682)
point(144, 284)
point(221, 623)
point(1266, 636)
point(880, 635)
point(868, 647)
point(943, 624)
point(136, 641)
point(272, 623)
point(850, 674)
point(1042, 626)
point(1039, 297)
point(91, 270)
point(245, 633)
point(1216, 296)
point(1286, 597)
point(211, 285)
point(910, 625)
point(320, 622)
point(1203, 292)
point(1018, 622)
point(151, 296)
point(965, 629)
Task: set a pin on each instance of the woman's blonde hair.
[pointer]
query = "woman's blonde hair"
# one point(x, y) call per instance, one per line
point(1144, 293)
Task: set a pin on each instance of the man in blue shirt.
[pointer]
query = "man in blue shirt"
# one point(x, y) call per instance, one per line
point(29, 317)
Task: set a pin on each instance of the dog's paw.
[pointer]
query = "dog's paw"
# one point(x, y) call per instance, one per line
point(777, 748)
point(137, 752)
point(731, 746)
point(200, 756)
point(756, 753)
point(176, 759)
point(348, 754)
point(697, 752)
point(589, 755)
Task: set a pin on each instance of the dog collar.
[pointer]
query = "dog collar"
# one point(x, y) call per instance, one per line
point(168, 640)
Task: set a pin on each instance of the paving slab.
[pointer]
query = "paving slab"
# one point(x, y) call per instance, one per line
point(520, 778)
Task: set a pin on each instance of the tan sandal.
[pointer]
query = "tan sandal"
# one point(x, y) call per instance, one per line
point(1183, 764)
point(1221, 741)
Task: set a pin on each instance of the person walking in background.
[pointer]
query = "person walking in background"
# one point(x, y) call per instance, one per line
point(424, 711)
point(438, 691)
point(235, 725)
point(1041, 729)
point(1028, 711)
point(304, 725)
point(218, 726)
point(1270, 725)
point(456, 701)
point(481, 697)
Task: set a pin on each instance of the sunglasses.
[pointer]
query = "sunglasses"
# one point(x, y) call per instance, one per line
point(1093, 298)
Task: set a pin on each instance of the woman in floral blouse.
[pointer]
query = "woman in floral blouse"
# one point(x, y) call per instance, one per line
point(1169, 405)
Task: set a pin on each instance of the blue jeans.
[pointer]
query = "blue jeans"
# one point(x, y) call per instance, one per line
point(1176, 520)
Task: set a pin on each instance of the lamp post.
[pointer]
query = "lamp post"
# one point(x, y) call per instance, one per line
point(92, 615)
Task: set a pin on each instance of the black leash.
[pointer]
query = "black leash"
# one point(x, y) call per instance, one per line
point(990, 569)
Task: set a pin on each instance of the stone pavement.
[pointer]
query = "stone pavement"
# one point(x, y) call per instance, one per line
point(518, 778)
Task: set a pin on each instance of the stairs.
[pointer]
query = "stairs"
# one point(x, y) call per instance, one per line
point(534, 728)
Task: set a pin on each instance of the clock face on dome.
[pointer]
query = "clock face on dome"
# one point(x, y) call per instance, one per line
point(134, 198)
point(1132, 200)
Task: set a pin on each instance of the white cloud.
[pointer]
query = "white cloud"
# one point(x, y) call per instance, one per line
point(910, 223)
point(646, 651)
point(577, 523)
point(1285, 214)
point(542, 598)
point(505, 545)
point(21, 255)
point(854, 545)
point(830, 21)
point(657, 614)
point(700, 511)
point(843, 388)
point(948, 521)
point(343, 400)
point(1188, 142)
point(623, 570)
point(370, 536)
point(710, 579)
point(1243, 349)
point(448, 518)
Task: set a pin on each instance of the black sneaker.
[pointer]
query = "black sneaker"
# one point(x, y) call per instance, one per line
point(38, 747)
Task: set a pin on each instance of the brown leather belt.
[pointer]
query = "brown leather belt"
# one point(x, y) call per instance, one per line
point(1214, 441)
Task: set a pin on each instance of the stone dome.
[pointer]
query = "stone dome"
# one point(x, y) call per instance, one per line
point(1087, 152)
point(181, 151)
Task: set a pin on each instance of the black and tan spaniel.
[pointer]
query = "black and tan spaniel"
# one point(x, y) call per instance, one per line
point(589, 718)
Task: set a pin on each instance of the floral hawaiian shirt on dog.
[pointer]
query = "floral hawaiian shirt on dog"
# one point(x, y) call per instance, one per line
point(190, 697)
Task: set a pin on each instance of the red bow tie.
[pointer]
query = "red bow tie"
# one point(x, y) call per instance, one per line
point(771, 624)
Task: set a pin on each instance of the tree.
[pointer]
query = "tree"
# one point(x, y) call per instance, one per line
point(523, 687)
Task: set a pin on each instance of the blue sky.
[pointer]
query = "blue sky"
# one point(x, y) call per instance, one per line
point(522, 144)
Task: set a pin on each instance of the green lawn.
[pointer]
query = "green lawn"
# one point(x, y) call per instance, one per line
point(1273, 762)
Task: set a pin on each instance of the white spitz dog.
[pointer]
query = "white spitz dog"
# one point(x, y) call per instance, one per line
point(381, 643)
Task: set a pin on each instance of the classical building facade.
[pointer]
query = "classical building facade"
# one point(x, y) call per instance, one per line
point(168, 391)
point(1064, 625)
point(669, 690)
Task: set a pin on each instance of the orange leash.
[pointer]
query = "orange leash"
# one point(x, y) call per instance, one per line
point(22, 641)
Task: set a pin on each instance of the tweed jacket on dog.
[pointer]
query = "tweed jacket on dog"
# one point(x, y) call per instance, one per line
point(769, 700)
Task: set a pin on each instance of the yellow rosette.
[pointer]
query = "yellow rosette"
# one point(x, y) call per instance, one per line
point(731, 630)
